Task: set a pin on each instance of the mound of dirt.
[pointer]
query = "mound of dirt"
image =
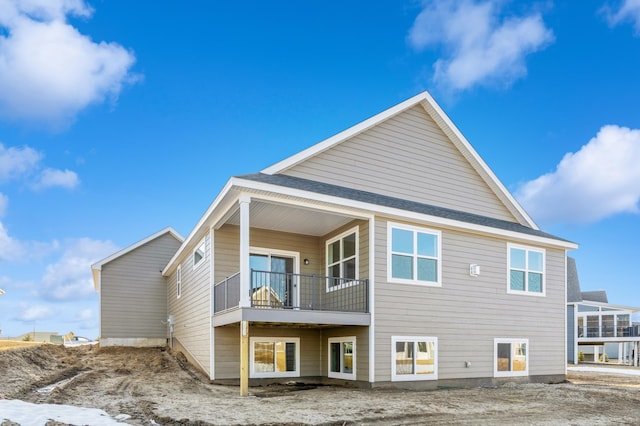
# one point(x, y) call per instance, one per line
point(152, 386)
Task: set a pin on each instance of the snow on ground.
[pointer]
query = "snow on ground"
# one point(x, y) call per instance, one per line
point(28, 414)
point(620, 370)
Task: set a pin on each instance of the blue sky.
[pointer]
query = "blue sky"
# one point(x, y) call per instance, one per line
point(120, 118)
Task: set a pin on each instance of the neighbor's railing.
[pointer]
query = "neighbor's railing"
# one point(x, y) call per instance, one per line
point(281, 290)
point(608, 331)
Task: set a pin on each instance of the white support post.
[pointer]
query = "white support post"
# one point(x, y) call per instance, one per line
point(245, 277)
point(621, 358)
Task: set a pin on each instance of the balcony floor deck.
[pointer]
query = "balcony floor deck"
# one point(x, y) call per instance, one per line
point(296, 316)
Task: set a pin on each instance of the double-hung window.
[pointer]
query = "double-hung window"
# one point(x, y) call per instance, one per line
point(526, 270)
point(511, 357)
point(342, 357)
point(414, 358)
point(413, 255)
point(342, 259)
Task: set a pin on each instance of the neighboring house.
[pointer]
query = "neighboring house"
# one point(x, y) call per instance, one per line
point(133, 291)
point(597, 329)
point(388, 254)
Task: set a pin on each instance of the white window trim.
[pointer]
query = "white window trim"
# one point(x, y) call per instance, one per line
point(497, 373)
point(202, 245)
point(354, 230)
point(415, 281)
point(413, 377)
point(333, 374)
point(179, 282)
point(527, 249)
point(274, 374)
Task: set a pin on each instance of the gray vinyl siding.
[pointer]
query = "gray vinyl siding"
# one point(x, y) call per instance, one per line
point(408, 157)
point(227, 349)
point(467, 313)
point(571, 333)
point(133, 292)
point(192, 310)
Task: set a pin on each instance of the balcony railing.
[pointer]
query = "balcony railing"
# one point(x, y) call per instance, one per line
point(281, 290)
point(608, 331)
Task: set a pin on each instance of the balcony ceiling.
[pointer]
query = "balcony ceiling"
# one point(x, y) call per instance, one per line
point(287, 218)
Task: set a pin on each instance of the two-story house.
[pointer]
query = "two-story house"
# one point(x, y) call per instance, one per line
point(388, 254)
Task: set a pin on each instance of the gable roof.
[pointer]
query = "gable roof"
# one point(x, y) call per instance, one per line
point(396, 203)
point(595, 296)
point(97, 267)
point(430, 106)
point(573, 282)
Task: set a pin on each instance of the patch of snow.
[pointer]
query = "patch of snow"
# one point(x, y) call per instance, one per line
point(624, 371)
point(28, 414)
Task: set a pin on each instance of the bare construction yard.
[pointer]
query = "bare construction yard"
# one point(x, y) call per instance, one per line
point(150, 386)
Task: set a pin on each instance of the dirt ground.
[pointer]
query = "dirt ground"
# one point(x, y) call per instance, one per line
point(153, 387)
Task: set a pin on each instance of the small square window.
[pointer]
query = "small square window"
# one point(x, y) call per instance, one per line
point(198, 254)
point(413, 255)
point(526, 270)
point(511, 357)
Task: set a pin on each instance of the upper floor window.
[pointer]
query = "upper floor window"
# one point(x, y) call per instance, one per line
point(342, 259)
point(198, 254)
point(413, 255)
point(526, 270)
point(179, 281)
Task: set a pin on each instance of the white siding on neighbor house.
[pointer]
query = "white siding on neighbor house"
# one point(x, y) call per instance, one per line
point(133, 292)
point(191, 310)
point(467, 313)
point(408, 157)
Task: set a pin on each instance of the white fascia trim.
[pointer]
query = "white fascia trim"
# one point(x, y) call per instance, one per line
point(400, 214)
point(459, 137)
point(172, 263)
point(344, 135)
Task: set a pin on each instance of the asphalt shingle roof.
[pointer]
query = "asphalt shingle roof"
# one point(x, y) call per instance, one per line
point(392, 202)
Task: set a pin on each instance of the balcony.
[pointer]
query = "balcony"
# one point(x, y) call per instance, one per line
point(288, 297)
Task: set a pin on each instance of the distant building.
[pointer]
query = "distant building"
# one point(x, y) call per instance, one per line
point(597, 329)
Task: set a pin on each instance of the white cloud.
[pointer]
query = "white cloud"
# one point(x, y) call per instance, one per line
point(10, 248)
point(629, 11)
point(17, 162)
point(70, 277)
point(600, 180)
point(25, 164)
point(480, 47)
point(54, 177)
point(50, 71)
point(4, 202)
point(34, 313)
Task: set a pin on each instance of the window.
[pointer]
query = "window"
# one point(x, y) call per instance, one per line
point(413, 255)
point(414, 358)
point(275, 357)
point(198, 254)
point(526, 270)
point(511, 357)
point(342, 358)
point(179, 282)
point(342, 259)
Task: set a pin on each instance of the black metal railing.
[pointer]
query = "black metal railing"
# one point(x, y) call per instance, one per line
point(226, 294)
point(282, 290)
